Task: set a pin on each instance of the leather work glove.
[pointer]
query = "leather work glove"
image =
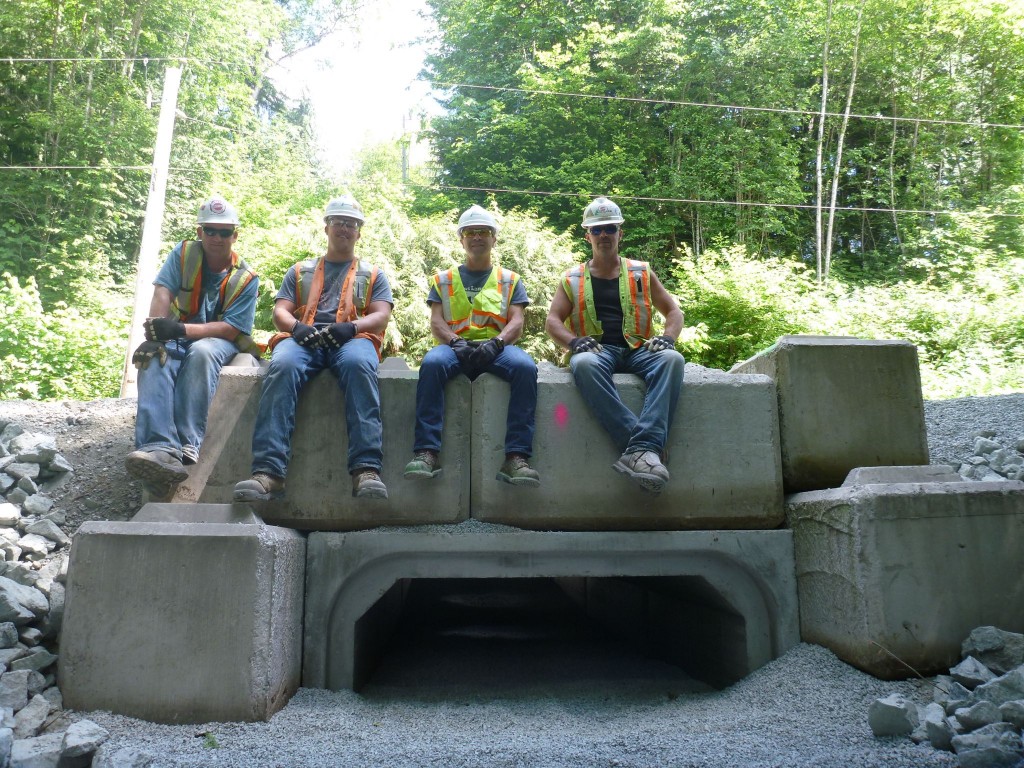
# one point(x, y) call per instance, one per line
point(163, 329)
point(584, 344)
point(338, 334)
point(146, 352)
point(306, 336)
point(463, 350)
point(485, 354)
point(660, 343)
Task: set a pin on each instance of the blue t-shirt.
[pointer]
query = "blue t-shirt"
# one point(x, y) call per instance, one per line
point(473, 281)
point(330, 297)
point(241, 312)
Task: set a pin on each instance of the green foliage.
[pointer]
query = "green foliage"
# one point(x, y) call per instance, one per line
point(69, 352)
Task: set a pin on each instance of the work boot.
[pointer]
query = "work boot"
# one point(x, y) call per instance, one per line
point(157, 467)
point(645, 468)
point(424, 464)
point(517, 471)
point(260, 487)
point(366, 484)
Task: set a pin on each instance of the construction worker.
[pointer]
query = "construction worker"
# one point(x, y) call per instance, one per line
point(476, 315)
point(330, 312)
point(607, 302)
point(200, 317)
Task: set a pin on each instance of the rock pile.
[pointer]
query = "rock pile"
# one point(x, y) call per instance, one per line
point(978, 708)
point(34, 731)
point(993, 458)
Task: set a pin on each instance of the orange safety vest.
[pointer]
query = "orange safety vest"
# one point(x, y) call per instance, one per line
point(634, 295)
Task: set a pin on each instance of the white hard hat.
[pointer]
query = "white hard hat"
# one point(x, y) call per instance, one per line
point(345, 205)
point(601, 211)
point(217, 210)
point(475, 216)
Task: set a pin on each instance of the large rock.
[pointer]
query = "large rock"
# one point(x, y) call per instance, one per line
point(997, 649)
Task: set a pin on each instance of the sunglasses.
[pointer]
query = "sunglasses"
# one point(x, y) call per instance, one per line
point(481, 232)
point(346, 223)
point(607, 229)
point(217, 232)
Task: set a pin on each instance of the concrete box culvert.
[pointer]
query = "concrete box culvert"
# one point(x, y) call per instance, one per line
point(718, 603)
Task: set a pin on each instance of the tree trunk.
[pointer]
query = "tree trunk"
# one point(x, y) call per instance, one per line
point(818, 190)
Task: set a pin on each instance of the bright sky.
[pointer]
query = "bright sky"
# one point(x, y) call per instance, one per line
point(363, 81)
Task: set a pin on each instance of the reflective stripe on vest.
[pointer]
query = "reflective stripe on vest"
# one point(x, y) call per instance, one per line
point(186, 303)
point(487, 315)
point(634, 296)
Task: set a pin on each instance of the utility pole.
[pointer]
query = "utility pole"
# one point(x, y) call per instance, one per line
point(149, 250)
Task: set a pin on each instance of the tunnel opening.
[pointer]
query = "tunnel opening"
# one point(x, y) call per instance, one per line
point(522, 635)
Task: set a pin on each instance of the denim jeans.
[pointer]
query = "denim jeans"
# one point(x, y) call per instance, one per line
point(174, 399)
point(441, 366)
point(355, 365)
point(662, 372)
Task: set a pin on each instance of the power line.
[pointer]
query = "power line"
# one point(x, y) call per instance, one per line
point(735, 107)
point(697, 201)
point(144, 59)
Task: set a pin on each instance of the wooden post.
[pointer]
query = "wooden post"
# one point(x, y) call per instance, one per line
point(149, 252)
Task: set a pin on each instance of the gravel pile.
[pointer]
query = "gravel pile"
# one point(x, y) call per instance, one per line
point(804, 709)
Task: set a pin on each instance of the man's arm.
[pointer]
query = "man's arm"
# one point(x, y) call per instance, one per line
point(667, 306)
point(439, 326)
point(378, 313)
point(513, 329)
point(284, 315)
point(560, 308)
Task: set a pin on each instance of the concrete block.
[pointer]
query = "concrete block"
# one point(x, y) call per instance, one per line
point(183, 622)
point(907, 570)
point(843, 403)
point(319, 488)
point(356, 582)
point(723, 453)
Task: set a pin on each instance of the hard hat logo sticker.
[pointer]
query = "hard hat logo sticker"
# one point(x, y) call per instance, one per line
point(217, 206)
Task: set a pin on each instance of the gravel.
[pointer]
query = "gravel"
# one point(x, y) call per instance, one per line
point(587, 704)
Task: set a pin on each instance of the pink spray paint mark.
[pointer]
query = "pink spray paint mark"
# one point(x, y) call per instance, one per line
point(561, 415)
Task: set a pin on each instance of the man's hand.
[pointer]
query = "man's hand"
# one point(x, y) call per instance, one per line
point(306, 336)
point(146, 352)
point(485, 354)
point(163, 329)
point(660, 343)
point(462, 349)
point(338, 334)
point(584, 344)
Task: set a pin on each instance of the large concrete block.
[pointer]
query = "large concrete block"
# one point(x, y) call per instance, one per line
point(907, 569)
point(356, 585)
point(319, 488)
point(843, 403)
point(183, 622)
point(723, 453)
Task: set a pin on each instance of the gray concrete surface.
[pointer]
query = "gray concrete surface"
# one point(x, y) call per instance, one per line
point(183, 622)
point(843, 403)
point(319, 489)
point(723, 453)
point(907, 569)
point(722, 595)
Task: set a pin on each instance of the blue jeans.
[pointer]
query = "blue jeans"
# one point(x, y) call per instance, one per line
point(174, 399)
point(355, 365)
point(662, 372)
point(441, 366)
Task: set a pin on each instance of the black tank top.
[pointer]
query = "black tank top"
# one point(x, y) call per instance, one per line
point(608, 308)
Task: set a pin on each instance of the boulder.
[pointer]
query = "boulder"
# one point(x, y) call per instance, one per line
point(997, 649)
point(892, 716)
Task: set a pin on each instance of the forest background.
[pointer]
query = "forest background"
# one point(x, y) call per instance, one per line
point(787, 166)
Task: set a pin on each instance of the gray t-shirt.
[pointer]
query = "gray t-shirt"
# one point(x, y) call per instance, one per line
point(334, 277)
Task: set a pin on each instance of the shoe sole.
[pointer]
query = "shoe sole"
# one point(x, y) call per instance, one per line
point(149, 470)
point(526, 482)
point(370, 493)
point(421, 474)
point(255, 496)
point(648, 482)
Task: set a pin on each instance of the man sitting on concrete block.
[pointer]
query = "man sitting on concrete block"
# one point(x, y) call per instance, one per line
point(476, 313)
point(608, 304)
point(201, 315)
point(331, 313)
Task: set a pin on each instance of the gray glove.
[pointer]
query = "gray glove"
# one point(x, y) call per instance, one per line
point(462, 349)
point(163, 329)
point(306, 336)
point(584, 344)
point(660, 343)
point(146, 352)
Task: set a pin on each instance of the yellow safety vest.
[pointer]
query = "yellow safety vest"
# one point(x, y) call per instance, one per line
point(484, 317)
point(634, 294)
point(354, 301)
point(186, 303)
